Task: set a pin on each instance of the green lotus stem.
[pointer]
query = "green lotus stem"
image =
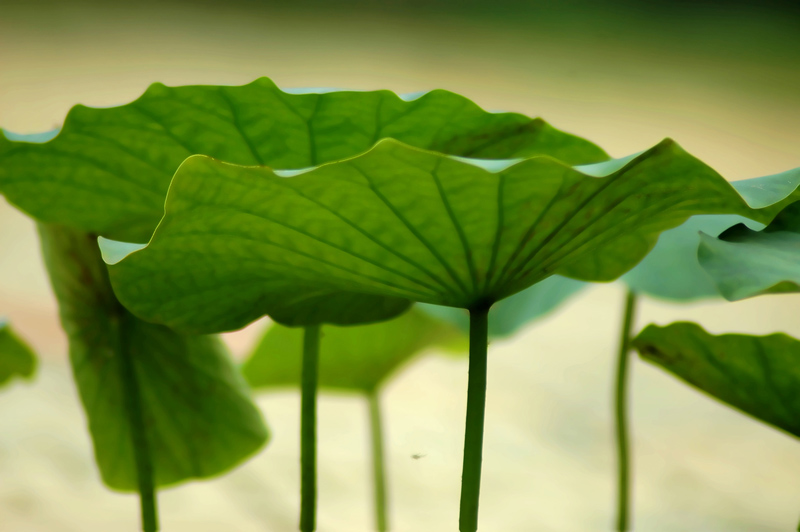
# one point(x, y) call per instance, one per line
point(621, 411)
point(308, 430)
point(379, 473)
point(133, 409)
point(476, 408)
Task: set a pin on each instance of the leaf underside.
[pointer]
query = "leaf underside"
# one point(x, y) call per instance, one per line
point(357, 359)
point(16, 357)
point(759, 375)
point(745, 263)
point(512, 313)
point(400, 222)
point(199, 417)
point(115, 164)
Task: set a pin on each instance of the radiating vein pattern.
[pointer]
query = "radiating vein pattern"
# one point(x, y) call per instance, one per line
point(115, 164)
point(404, 223)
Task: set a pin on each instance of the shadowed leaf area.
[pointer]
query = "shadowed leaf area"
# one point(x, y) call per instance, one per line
point(745, 263)
point(115, 164)
point(16, 357)
point(399, 222)
point(512, 313)
point(198, 415)
point(358, 358)
point(759, 375)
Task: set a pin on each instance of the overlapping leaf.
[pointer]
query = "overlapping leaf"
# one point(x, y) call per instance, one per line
point(746, 263)
point(199, 417)
point(671, 270)
point(402, 223)
point(357, 358)
point(759, 375)
point(115, 164)
point(16, 357)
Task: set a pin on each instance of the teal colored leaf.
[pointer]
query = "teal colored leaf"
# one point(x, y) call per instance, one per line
point(16, 357)
point(776, 190)
point(759, 375)
point(671, 270)
point(115, 164)
point(199, 416)
point(514, 312)
point(746, 263)
point(398, 222)
point(358, 358)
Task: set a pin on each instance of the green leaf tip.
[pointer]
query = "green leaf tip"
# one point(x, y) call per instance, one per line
point(114, 251)
point(404, 223)
point(758, 375)
point(17, 359)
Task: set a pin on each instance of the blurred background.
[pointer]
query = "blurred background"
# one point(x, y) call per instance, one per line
point(720, 77)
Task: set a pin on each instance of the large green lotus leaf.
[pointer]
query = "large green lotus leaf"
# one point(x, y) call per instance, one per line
point(197, 409)
point(358, 358)
point(512, 313)
point(115, 164)
point(671, 270)
point(240, 242)
point(759, 375)
point(746, 263)
point(16, 357)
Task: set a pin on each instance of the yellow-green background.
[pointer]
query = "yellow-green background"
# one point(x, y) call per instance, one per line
point(721, 78)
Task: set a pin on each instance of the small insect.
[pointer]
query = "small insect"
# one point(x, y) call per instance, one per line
point(417, 456)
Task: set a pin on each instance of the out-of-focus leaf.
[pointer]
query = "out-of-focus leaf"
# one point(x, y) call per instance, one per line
point(356, 358)
point(746, 263)
point(197, 409)
point(16, 357)
point(115, 164)
point(775, 191)
point(509, 315)
point(398, 222)
point(759, 375)
point(671, 270)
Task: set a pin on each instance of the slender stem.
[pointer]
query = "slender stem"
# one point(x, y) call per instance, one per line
point(133, 409)
point(621, 408)
point(308, 430)
point(476, 408)
point(376, 430)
